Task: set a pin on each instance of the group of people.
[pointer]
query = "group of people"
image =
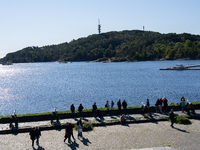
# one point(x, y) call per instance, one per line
point(161, 102)
point(97, 112)
point(80, 109)
point(69, 131)
point(35, 134)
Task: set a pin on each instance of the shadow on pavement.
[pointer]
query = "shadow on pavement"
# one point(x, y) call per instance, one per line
point(181, 130)
point(86, 141)
point(73, 146)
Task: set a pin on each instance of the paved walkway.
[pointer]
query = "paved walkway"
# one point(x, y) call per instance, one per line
point(130, 117)
point(155, 135)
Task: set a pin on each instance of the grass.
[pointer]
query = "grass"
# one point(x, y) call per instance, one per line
point(181, 119)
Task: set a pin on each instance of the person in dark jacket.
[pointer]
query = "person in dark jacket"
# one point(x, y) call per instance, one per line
point(67, 133)
point(72, 108)
point(119, 107)
point(37, 135)
point(165, 103)
point(80, 109)
point(171, 116)
point(94, 109)
point(157, 105)
point(32, 136)
point(124, 104)
point(71, 131)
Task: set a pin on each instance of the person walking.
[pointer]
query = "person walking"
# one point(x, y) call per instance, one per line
point(119, 107)
point(124, 104)
point(94, 109)
point(32, 136)
point(67, 133)
point(171, 116)
point(71, 131)
point(80, 109)
point(37, 135)
point(72, 108)
point(107, 106)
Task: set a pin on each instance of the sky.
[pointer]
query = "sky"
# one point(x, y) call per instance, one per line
point(39, 23)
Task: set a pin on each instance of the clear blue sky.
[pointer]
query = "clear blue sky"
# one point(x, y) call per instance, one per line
point(45, 22)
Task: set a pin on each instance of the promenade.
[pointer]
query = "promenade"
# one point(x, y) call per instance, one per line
point(156, 135)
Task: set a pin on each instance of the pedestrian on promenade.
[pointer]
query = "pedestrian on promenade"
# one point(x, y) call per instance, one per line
point(124, 104)
point(94, 109)
point(147, 106)
point(67, 133)
point(71, 131)
point(32, 136)
point(171, 116)
point(157, 105)
point(107, 106)
point(112, 104)
point(122, 119)
point(183, 105)
point(160, 105)
point(119, 107)
point(79, 128)
point(72, 108)
point(80, 109)
point(165, 102)
point(37, 135)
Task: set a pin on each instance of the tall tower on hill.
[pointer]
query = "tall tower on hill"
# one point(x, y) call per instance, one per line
point(99, 26)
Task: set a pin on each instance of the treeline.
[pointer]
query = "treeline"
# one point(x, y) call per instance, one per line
point(131, 45)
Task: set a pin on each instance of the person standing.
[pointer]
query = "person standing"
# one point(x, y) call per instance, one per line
point(160, 105)
point(112, 104)
point(171, 116)
point(124, 104)
point(107, 106)
point(119, 107)
point(80, 109)
point(37, 135)
point(94, 109)
point(165, 103)
point(32, 136)
point(183, 105)
point(72, 108)
point(157, 105)
point(67, 133)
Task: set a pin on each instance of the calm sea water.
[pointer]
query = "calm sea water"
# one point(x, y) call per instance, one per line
point(39, 87)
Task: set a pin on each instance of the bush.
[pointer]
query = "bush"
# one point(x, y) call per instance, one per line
point(182, 120)
point(87, 126)
point(172, 104)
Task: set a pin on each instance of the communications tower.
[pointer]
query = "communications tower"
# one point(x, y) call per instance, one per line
point(99, 26)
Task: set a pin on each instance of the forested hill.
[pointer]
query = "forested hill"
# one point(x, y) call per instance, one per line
point(128, 45)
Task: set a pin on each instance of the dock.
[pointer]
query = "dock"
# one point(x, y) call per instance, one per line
point(181, 67)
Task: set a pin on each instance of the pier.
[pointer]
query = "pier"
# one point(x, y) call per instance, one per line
point(181, 67)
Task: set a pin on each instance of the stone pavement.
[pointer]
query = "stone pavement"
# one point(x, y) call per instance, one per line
point(156, 148)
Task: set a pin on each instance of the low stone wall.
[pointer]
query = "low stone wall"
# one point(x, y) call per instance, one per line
point(85, 114)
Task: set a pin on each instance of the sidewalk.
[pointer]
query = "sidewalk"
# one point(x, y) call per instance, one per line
point(132, 118)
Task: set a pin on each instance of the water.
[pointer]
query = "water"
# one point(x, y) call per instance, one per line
point(39, 87)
